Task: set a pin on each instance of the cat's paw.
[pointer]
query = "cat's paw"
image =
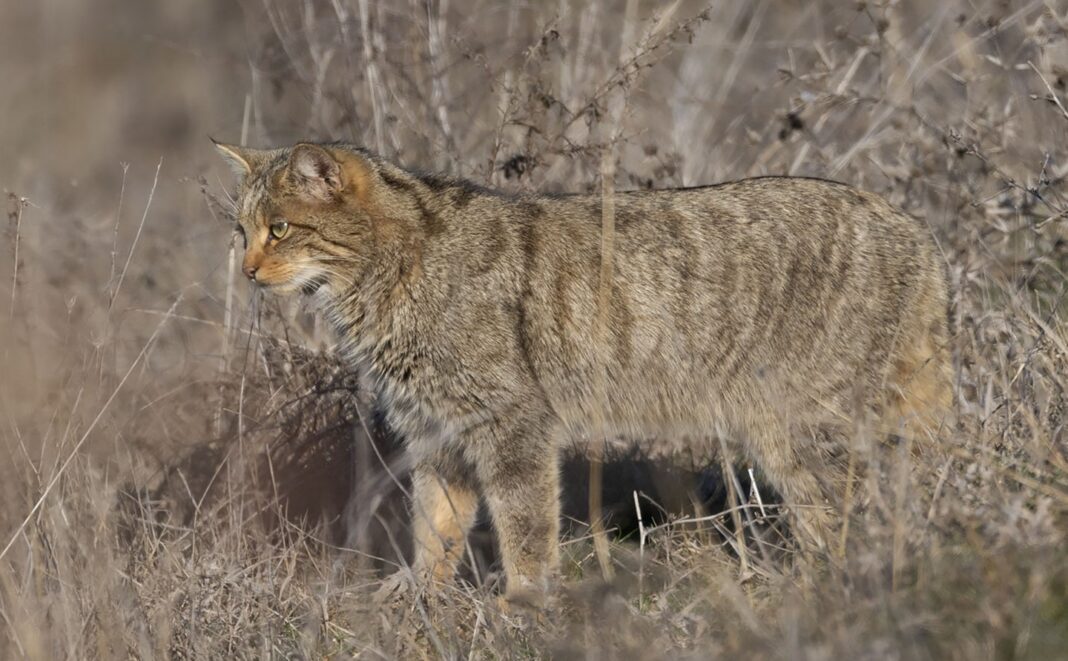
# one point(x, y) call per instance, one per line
point(397, 590)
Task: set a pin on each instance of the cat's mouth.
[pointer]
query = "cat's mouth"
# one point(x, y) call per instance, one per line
point(306, 281)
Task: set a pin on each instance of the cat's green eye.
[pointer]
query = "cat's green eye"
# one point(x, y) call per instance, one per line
point(279, 229)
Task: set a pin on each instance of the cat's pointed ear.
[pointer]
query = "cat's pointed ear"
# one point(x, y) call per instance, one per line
point(242, 160)
point(315, 171)
point(325, 174)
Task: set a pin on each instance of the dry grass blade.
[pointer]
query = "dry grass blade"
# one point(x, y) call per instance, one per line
point(599, 438)
point(137, 237)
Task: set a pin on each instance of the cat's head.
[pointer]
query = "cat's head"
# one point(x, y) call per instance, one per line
point(303, 212)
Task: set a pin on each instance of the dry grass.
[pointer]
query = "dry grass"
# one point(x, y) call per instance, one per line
point(188, 471)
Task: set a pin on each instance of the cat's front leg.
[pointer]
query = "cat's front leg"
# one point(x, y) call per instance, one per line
point(517, 464)
point(443, 511)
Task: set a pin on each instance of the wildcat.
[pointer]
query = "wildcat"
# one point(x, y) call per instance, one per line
point(762, 309)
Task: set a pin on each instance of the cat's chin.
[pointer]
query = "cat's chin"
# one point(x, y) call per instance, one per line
point(316, 286)
point(277, 288)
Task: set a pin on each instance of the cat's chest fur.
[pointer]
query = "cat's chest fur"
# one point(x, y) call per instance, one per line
point(417, 384)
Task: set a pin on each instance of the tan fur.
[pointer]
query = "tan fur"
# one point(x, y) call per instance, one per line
point(765, 311)
point(441, 517)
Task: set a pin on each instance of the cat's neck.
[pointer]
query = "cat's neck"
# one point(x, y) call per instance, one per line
point(376, 304)
point(400, 289)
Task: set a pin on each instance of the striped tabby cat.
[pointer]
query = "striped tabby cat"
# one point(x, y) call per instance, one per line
point(764, 310)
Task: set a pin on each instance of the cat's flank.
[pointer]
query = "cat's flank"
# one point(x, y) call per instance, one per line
point(760, 310)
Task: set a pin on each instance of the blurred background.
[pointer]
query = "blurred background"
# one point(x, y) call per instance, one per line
point(141, 380)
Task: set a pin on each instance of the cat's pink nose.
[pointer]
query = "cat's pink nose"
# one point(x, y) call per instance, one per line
point(250, 271)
